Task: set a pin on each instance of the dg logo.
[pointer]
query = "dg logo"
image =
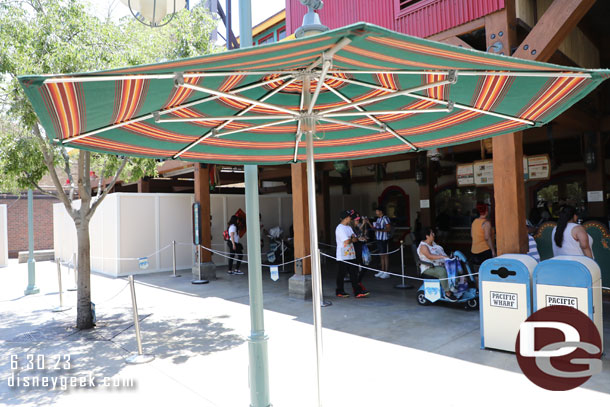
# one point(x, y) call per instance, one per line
point(559, 348)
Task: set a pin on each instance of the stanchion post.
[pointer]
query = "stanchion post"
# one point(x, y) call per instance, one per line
point(72, 264)
point(282, 248)
point(174, 258)
point(402, 268)
point(61, 307)
point(140, 357)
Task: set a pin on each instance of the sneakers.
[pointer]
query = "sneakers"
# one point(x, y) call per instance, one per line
point(362, 294)
point(379, 274)
point(342, 294)
point(450, 296)
point(384, 275)
point(237, 272)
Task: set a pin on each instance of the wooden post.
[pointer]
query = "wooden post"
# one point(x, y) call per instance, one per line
point(596, 176)
point(300, 216)
point(143, 185)
point(202, 196)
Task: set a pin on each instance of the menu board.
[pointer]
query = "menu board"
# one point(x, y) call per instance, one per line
point(465, 175)
point(539, 166)
point(483, 172)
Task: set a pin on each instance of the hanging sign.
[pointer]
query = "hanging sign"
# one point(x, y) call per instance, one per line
point(483, 172)
point(275, 274)
point(539, 166)
point(143, 263)
point(432, 290)
point(465, 175)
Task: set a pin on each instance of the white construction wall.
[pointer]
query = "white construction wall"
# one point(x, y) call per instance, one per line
point(3, 236)
point(128, 226)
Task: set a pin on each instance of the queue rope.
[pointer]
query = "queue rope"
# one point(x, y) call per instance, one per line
point(223, 254)
point(394, 274)
point(372, 254)
point(131, 258)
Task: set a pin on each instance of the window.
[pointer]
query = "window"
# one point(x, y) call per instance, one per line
point(404, 4)
point(281, 34)
point(268, 39)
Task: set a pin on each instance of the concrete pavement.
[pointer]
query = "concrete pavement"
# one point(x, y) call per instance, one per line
point(384, 350)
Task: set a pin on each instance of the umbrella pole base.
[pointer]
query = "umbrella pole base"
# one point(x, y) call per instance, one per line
point(139, 359)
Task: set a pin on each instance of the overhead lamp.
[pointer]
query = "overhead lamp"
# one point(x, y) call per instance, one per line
point(311, 20)
point(152, 12)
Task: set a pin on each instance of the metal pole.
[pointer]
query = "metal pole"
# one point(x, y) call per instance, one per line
point(31, 288)
point(309, 128)
point(283, 265)
point(140, 357)
point(174, 258)
point(402, 268)
point(257, 341)
point(61, 291)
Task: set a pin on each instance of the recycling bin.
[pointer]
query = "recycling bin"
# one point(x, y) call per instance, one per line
point(573, 281)
point(505, 287)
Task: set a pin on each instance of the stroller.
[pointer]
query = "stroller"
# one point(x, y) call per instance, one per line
point(468, 295)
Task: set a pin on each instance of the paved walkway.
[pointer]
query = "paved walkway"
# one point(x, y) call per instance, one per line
point(384, 350)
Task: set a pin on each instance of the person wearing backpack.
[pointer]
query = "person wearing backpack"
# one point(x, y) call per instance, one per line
point(235, 248)
point(382, 227)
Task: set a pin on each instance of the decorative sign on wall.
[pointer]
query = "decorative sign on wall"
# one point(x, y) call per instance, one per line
point(465, 175)
point(483, 172)
point(539, 166)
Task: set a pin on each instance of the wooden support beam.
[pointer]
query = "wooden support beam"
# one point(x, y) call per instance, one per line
point(329, 165)
point(509, 188)
point(426, 192)
point(461, 30)
point(202, 196)
point(552, 28)
point(300, 216)
point(457, 42)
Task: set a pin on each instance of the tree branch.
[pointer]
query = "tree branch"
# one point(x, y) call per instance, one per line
point(36, 186)
point(108, 188)
point(49, 161)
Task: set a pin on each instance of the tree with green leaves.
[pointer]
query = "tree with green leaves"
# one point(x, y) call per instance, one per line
point(62, 36)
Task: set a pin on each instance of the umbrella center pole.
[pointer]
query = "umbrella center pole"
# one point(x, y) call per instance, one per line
point(308, 126)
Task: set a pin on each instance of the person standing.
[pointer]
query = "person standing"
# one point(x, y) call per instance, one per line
point(482, 235)
point(346, 254)
point(569, 238)
point(359, 226)
point(235, 248)
point(382, 234)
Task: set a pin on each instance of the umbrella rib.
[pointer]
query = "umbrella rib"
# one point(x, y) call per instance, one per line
point(234, 97)
point(382, 128)
point(229, 118)
point(384, 97)
point(330, 53)
point(246, 110)
point(439, 101)
point(296, 144)
point(258, 126)
point(109, 78)
point(474, 73)
point(321, 79)
point(386, 112)
point(175, 108)
point(376, 120)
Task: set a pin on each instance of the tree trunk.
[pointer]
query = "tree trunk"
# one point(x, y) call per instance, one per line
point(84, 316)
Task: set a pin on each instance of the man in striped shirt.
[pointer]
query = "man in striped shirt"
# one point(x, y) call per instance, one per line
point(533, 247)
point(382, 234)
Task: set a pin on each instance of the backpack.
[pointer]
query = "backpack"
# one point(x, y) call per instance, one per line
point(225, 235)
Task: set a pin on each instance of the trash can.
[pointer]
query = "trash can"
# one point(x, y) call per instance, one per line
point(573, 281)
point(505, 287)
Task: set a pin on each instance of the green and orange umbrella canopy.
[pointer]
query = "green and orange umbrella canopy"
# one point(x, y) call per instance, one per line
point(364, 90)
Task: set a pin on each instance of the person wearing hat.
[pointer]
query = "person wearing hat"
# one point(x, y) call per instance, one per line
point(346, 254)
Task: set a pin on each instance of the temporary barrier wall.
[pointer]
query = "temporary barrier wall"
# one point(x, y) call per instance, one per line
point(3, 236)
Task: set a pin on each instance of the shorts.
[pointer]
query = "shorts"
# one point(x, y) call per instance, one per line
point(382, 246)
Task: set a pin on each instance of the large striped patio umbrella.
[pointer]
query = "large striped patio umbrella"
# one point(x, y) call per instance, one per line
point(364, 90)
point(358, 91)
